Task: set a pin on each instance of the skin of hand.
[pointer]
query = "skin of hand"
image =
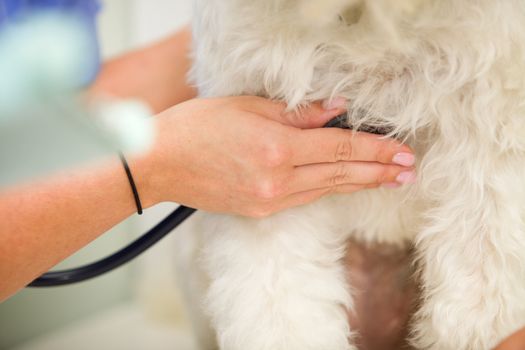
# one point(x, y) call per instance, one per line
point(238, 155)
point(515, 342)
point(163, 85)
point(250, 156)
point(56, 206)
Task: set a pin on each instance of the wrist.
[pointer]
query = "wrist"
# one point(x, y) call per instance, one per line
point(142, 168)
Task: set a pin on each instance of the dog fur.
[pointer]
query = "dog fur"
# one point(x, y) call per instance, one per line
point(447, 77)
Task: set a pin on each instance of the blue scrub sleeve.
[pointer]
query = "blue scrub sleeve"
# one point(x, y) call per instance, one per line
point(84, 11)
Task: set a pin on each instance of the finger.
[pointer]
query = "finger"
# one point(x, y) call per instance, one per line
point(316, 115)
point(334, 145)
point(331, 175)
point(302, 198)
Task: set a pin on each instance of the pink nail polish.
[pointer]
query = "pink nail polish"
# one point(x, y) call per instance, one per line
point(391, 185)
point(336, 103)
point(404, 159)
point(407, 177)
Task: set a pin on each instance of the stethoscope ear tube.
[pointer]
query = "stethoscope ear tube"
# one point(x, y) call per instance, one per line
point(83, 273)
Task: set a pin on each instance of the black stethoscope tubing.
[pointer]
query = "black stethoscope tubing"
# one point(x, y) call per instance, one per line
point(128, 253)
point(131, 251)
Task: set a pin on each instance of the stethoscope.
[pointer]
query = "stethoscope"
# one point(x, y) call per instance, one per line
point(126, 254)
point(140, 245)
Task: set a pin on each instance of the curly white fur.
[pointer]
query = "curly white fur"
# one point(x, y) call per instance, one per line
point(448, 77)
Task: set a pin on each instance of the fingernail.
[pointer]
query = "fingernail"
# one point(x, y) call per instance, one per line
point(407, 177)
point(391, 185)
point(404, 159)
point(336, 103)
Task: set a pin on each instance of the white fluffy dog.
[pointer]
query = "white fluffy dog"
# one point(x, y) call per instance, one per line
point(447, 77)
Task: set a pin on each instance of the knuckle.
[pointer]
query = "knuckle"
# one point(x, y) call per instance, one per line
point(274, 154)
point(267, 190)
point(332, 190)
point(344, 150)
point(298, 116)
point(382, 153)
point(384, 175)
point(341, 176)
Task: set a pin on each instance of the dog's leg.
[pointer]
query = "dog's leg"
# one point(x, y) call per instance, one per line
point(277, 283)
point(188, 244)
point(472, 255)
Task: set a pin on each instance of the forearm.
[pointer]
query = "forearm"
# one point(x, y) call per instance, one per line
point(156, 74)
point(45, 222)
point(243, 162)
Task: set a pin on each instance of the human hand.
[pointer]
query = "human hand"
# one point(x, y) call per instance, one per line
point(515, 342)
point(249, 156)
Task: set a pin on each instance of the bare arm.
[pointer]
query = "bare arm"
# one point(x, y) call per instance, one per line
point(155, 74)
point(242, 155)
point(43, 223)
point(255, 160)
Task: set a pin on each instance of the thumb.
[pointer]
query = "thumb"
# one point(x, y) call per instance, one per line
point(316, 115)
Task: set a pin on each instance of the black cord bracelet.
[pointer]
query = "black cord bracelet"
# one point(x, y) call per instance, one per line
point(131, 183)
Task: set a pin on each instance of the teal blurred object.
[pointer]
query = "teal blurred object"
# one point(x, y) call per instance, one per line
point(45, 124)
point(43, 56)
point(83, 12)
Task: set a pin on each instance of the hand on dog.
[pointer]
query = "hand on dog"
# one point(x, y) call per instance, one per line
point(515, 342)
point(250, 156)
